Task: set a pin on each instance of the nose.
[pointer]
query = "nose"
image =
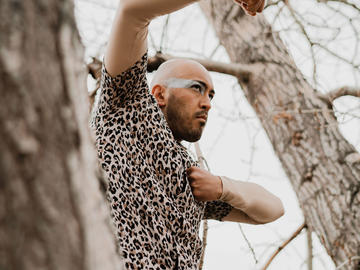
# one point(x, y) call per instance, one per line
point(205, 103)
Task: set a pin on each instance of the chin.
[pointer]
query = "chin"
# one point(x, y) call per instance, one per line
point(192, 140)
point(188, 134)
point(193, 137)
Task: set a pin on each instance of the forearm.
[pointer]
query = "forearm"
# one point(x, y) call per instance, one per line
point(128, 36)
point(252, 203)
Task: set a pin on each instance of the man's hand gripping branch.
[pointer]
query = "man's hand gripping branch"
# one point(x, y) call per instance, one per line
point(251, 7)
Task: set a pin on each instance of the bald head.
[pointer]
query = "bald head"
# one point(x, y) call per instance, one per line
point(180, 68)
point(183, 89)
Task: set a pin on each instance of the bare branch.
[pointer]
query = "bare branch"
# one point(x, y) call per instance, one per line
point(204, 240)
point(164, 32)
point(94, 69)
point(273, 3)
point(202, 161)
point(306, 35)
point(340, 92)
point(310, 249)
point(345, 2)
point(296, 233)
point(239, 70)
point(248, 243)
point(354, 258)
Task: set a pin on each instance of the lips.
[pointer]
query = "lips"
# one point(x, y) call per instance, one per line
point(202, 116)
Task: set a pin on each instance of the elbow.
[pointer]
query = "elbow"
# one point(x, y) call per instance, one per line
point(274, 213)
point(132, 11)
point(278, 211)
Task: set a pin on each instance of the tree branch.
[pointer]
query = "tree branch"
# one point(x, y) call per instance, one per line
point(202, 161)
point(310, 249)
point(345, 2)
point(296, 233)
point(340, 92)
point(239, 70)
point(94, 69)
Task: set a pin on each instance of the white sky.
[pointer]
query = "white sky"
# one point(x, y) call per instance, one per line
point(234, 143)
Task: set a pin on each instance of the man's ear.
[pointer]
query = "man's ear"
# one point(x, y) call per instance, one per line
point(159, 92)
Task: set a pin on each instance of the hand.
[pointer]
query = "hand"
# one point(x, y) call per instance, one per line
point(204, 185)
point(252, 6)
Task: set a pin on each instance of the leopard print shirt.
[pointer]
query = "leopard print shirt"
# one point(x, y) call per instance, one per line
point(156, 216)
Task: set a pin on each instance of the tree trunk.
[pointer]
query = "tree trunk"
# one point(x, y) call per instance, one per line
point(301, 127)
point(52, 213)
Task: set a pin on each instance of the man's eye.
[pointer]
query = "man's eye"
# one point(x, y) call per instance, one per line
point(197, 87)
point(211, 96)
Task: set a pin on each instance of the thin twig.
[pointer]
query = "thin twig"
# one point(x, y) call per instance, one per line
point(310, 249)
point(340, 92)
point(345, 2)
point(296, 233)
point(295, 15)
point(201, 160)
point(348, 261)
point(248, 243)
point(164, 32)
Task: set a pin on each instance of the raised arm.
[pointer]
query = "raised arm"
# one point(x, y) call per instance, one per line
point(128, 37)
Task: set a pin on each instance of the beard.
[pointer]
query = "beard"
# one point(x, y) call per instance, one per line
point(181, 124)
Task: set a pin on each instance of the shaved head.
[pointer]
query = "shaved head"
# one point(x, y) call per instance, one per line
point(179, 68)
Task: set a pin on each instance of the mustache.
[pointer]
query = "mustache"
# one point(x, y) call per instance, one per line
point(201, 114)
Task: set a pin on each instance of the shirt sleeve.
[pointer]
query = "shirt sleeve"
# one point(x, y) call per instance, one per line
point(117, 95)
point(217, 210)
point(130, 85)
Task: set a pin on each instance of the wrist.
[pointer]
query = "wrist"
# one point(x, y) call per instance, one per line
point(220, 189)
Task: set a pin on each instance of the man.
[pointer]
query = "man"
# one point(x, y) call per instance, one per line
point(157, 192)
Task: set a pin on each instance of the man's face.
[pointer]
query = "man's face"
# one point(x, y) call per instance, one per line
point(188, 104)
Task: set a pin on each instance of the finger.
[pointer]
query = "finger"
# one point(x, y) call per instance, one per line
point(249, 12)
point(245, 7)
point(253, 6)
point(191, 174)
point(261, 8)
point(258, 4)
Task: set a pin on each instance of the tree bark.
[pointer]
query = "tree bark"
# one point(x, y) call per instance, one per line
point(52, 213)
point(301, 127)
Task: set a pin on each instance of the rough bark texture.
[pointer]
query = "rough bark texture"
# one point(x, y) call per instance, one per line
point(302, 129)
point(52, 213)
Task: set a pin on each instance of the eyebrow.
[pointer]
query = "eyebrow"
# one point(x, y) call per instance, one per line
point(212, 91)
point(177, 83)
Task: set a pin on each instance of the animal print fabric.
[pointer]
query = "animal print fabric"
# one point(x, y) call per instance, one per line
point(156, 216)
